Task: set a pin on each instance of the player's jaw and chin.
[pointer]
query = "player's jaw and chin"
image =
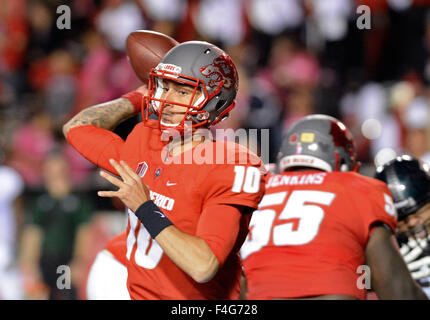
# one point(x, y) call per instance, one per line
point(172, 101)
point(175, 124)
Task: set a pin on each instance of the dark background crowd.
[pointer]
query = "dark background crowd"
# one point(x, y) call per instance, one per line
point(294, 57)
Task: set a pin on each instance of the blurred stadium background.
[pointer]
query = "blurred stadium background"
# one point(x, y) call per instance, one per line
point(295, 57)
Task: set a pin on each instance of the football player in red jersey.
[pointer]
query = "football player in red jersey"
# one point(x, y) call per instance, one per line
point(322, 231)
point(188, 215)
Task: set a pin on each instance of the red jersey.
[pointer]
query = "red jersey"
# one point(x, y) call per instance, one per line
point(182, 188)
point(117, 246)
point(309, 235)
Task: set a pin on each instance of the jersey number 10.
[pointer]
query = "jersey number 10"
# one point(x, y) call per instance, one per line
point(148, 253)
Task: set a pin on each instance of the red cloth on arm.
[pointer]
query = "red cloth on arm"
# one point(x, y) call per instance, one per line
point(219, 227)
point(96, 144)
point(136, 99)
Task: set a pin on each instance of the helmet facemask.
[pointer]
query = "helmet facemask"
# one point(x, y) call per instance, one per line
point(419, 235)
point(194, 113)
point(420, 230)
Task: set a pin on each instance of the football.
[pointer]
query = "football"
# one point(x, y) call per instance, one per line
point(145, 49)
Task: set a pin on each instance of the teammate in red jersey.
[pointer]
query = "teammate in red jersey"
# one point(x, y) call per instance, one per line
point(184, 243)
point(322, 228)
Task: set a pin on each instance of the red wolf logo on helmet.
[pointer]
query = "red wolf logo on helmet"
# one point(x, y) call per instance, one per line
point(222, 69)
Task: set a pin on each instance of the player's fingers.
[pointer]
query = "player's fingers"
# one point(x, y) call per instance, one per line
point(124, 175)
point(130, 172)
point(413, 254)
point(404, 249)
point(108, 194)
point(420, 274)
point(423, 243)
point(112, 179)
point(419, 263)
point(412, 243)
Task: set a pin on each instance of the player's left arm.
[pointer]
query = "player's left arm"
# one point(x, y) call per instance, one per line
point(201, 255)
point(198, 255)
point(390, 276)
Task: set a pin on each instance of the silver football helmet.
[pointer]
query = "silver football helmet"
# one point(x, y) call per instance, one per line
point(200, 65)
point(318, 141)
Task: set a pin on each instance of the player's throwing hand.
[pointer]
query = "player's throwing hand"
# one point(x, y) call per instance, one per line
point(132, 191)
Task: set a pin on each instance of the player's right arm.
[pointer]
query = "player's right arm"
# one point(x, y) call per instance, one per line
point(105, 115)
point(90, 131)
point(390, 276)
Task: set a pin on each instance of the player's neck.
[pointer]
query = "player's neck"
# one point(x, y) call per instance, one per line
point(186, 142)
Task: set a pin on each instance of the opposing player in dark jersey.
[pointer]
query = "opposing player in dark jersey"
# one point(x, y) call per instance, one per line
point(408, 179)
point(322, 231)
point(190, 198)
